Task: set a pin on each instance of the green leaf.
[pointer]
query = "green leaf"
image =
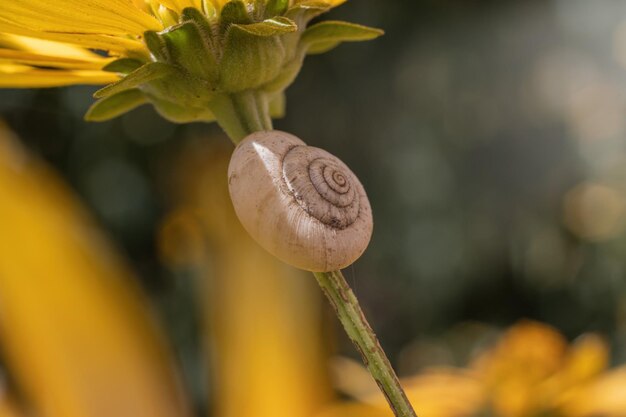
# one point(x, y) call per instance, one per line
point(156, 45)
point(188, 48)
point(276, 26)
point(324, 36)
point(322, 47)
point(115, 105)
point(276, 8)
point(123, 65)
point(144, 74)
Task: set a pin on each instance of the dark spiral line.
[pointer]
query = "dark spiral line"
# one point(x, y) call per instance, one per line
point(311, 171)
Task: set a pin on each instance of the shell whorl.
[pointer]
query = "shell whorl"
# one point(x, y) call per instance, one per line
point(299, 202)
point(322, 186)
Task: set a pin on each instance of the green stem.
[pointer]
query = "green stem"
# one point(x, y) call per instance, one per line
point(243, 113)
point(358, 329)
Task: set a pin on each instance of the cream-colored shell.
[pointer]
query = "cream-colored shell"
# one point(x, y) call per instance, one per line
point(300, 203)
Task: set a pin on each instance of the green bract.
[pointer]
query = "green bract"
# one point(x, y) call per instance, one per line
point(205, 67)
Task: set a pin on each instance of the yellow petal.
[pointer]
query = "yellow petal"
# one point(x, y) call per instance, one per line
point(218, 4)
point(436, 393)
point(48, 48)
point(356, 410)
point(528, 351)
point(179, 5)
point(606, 396)
point(116, 44)
point(18, 76)
point(76, 336)
point(352, 379)
point(28, 58)
point(8, 407)
point(109, 17)
point(588, 357)
point(445, 393)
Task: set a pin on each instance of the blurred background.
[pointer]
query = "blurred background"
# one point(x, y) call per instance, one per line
point(489, 136)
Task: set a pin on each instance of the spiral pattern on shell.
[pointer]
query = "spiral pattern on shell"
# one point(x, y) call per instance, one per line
point(300, 203)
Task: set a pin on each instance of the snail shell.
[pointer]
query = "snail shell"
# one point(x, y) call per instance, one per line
point(300, 203)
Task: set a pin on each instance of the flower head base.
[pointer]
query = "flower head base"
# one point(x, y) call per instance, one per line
point(187, 57)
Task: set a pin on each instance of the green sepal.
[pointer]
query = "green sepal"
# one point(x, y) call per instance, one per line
point(157, 46)
point(182, 88)
point(115, 105)
point(275, 26)
point(258, 9)
point(123, 65)
point(253, 54)
point(286, 77)
point(326, 35)
point(181, 114)
point(146, 73)
point(234, 12)
point(303, 12)
point(188, 48)
point(276, 8)
point(194, 15)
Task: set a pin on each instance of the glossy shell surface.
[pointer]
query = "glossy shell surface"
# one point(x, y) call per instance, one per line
point(300, 203)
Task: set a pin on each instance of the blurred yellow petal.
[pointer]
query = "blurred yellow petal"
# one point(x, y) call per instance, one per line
point(587, 357)
point(356, 410)
point(106, 17)
point(20, 76)
point(527, 354)
point(8, 407)
point(353, 379)
point(606, 396)
point(529, 349)
point(445, 393)
point(263, 317)
point(436, 393)
point(76, 335)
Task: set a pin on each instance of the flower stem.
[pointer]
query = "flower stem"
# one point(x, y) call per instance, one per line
point(358, 329)
point(244, 113)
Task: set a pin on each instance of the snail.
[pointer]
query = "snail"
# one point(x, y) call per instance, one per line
point(300, 203)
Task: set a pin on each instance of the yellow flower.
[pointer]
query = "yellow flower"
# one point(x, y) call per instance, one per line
point(532, 368)
point(531, 371)
point(191, 59)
